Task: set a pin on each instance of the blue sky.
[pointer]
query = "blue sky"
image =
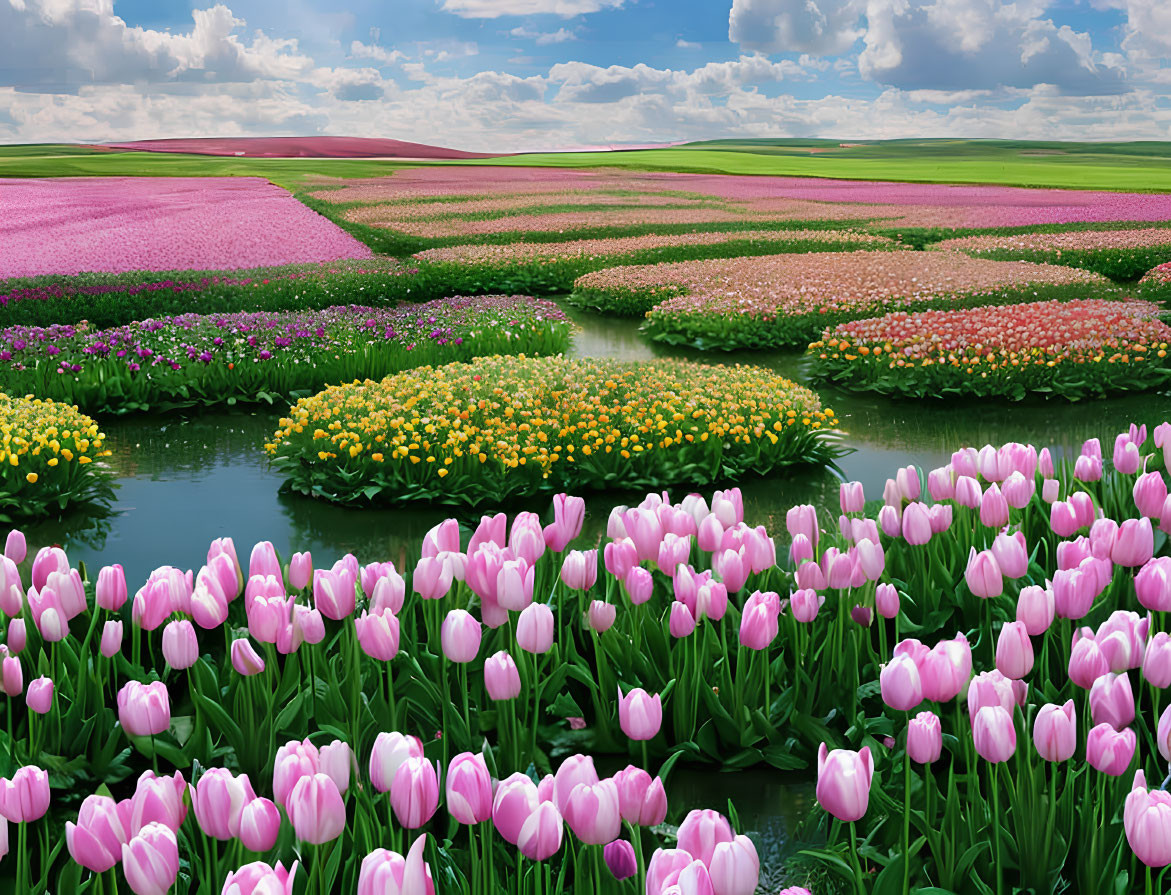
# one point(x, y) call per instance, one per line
point(529, 74)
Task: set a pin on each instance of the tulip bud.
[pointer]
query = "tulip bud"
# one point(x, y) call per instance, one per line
point(1110, 751)
point(843, 783)
point(245, 659)
point(39, 696)
point(602, 615)
point(180, 645)
point(111, 591)
point(501, 677)
point(111, 638)
point(924, 738)
point(901, 686)
point(414, 792)
point(619, 858)
point(144, 709)
point(994, 733)
point(639, 714)
point(1055, 731)
point(150, 861)
point(460, 636)
point(1014, 651)
point(316, 809)
point(260, 825)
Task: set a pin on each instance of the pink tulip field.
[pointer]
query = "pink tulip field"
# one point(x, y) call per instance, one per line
point(527, 508)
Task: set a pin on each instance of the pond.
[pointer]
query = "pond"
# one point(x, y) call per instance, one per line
point(184, 480)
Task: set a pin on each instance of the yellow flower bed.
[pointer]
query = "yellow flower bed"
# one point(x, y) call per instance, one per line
point(50, 457)
point(464, 433)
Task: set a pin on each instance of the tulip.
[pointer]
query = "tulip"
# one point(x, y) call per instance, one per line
point(641, 800)
point(1086, 661)
point(602, 615)
point(378, 634)
point(150, 861)
point(334, 594)
point(158, 799)
point(336, 761)
point(294, 760)
point(414, 792)
point(1112, 701)
point(1011, 554)
point(514, 584)
point(95, 841)
point(619, 858)
point(219, 800)
point(916, 524)
point(901, 686)
point(802, 520)
point(1146, 818)
point(645, 530)
point(469, 789)
point(851, 497)
point(460, 636)
point(501, 677)
point(259, 878)
point(1110, 751)
point(759, 621)
point(25, 797)
point(573, 770)
point(1152, 584)
point(994, 733)
point(946, 669)
point(639, 584)
point(540, 834)
point(432, 578)
point(534, 629)
point(861, 615)
point(1050, 491)
point(1135, 543)
point(11, 677)
point(48, 614)
point(591, 810)
point(639, 715)
point(620, 557)
point(663, 871)
point(1055, 731)
point(924, 738)
point(1018, 490)
point(1074, 591)
point(735, 867)
point(17, 636)
point(316, 809)
point(805, 604)
point(180, 645)
point(515, 799)
point(15, 546)
point(111, 588)
point(568, 517)
point(1150, 493)
point(1157, 661)
point(40, 695)
point(245, 659)
point(843, 782)
point(983, 574)
point(260, 825)
point(673, 551)
point(1034, 609)
point(1014, 651)
point(144, 709)
point(388, 754)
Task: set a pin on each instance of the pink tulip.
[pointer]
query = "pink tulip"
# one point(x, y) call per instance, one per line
point(568, 517)
point(735, 867)
point(759, 621)
point(673, 551)
point(515, 799)
point(180, 645)
point(150, 861)
point(620, 556)
point(95, 841)
point(983, 574)
point(414, 792)
point(11, 677)
point(540, 834)
point(1110, 751)
point(25, 798)
point(259, 878)
point(1112, 701)
point(1150, 493)
point(15, 547)
point(390, 751)
point(378, 634)
point(1018, 491)
point(17, 637)
point(1055, 731)
point(245, 659)
point(219, 800)
point(681, 623)
point(1157, 661)
point(645, 530)
point(1134, 544)
point(639, 714)
point(579, 570)
point(851, 497)
point(40, 695)
point(666, 864)
point(994, 508)
point(591, 810)
point(1146, 819)
point(1035, 608)
point(1011, 554)
point(802, 520)
point(901, 686)
point(994, 733)
point(260, 825)
point(316, 809)
point(1152, 584)
point(111, 588)
point(460, 636)
point(602, 615)
point(1014, 651)
point(805, 604)
point(469, 789)
point(641, 800)
point(336, 760)
point(534, 629)
point(946, 669)
point(501, 677)
point(432, 578)
point(1086, 662)
point(843, 782)
point(144, 709)
point(1163, 734)
point(639, 585)
point(620, 860)
point(916, 524)
point(924, 738)
point(389, 873)
point(573, 770)
point(294, 760)
point(334, 594)
point(1050, 491)
point(728, 507)
point(48, 614)
point(1074, 591)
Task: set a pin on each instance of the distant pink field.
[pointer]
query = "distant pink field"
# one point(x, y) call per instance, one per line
point(116, 224)
point(299, 147)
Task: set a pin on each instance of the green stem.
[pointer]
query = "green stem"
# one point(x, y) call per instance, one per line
point(854, 859)
point(994, 782)
point(907, 809)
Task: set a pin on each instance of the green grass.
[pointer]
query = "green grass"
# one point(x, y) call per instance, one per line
point(1110, 166)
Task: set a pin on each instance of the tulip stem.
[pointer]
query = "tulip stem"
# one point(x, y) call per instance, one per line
point(993, 779)
point(463, 687)
point(1150, 885)
point(854, 859)
point(20, 855)
point(907, 809)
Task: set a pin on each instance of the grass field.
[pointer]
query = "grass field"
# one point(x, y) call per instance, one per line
point(1142, 167)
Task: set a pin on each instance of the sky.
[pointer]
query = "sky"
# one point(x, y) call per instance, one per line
point(507, 75)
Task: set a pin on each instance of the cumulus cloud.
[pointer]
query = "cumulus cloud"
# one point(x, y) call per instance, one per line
point(359, 50)
point(59, 45)
point(687, 44)
point(493, 9)
point(933, 44)
point(581, 82)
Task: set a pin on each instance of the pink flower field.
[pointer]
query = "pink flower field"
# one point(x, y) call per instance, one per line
point(116, 224)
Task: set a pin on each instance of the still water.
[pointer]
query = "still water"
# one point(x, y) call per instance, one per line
point(184, 480)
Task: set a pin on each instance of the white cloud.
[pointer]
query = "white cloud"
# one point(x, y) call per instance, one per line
point(585, 83)
point(360, 50)
point(543, 38)
point(687, 44)
point(932, 44)
point(493, 9)
point(59, 45)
